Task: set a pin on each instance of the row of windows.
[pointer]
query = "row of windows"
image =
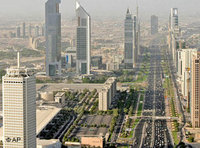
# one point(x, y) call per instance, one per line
point(13, 82)
point(196, 114)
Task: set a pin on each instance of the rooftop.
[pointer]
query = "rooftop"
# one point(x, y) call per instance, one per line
point(43, 142)
point(44, 115)
point(63, 86)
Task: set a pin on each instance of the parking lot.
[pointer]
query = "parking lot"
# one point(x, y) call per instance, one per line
point(91, 125)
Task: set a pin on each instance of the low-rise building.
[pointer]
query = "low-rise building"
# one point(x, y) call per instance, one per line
point(92, 141)
point(47, 96)
point(70, 57)
point(112, 66)
point(52, 143)
point(96, 62)
point(60, 97)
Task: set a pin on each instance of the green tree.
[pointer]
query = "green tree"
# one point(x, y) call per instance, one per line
point(191, 139)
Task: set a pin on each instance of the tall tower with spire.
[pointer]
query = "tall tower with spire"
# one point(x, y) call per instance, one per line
point(128, 41)
point(83, 40)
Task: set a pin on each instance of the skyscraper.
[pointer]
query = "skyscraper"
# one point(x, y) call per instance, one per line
point(174, 35)
point(128, 41)
point(136, 39)
point(53, 37)
point(174, 22)
point(19, 108)
point(37, 31)
point(154, 24)
point(137, 46)
point(195, 95)
point(42, 30)
point(83, 40)
point(30, 30)
point(18, 32)
point(24, 30)
point(184, 72)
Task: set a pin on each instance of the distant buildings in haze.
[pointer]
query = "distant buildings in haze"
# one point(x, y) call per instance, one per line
point(24, 30)
point(154, 24)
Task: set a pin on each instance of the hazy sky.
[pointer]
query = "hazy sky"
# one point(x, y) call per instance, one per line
point(97, 8)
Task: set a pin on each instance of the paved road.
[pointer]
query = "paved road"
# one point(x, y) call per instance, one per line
point(153, 132)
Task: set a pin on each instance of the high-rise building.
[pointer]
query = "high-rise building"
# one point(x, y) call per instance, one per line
point(37, 31)
point(174, 37)
point(24, 30)
point(43, 30)
point(136, 39)
point(174, 22)
point(128, 41)
point(154, 24)
point(53, 37)
point(132, 39)
point(137, 33)
point(195, 89)
point(19, 108)
point(18, 32)
point(184, 72)
point(83, 40)
point(30, 30)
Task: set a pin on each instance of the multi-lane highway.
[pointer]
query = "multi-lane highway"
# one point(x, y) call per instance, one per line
point(152, 132)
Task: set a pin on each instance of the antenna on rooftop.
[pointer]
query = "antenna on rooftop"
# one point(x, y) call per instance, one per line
point(137, 8)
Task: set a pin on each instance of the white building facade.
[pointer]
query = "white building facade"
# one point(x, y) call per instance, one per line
point(19, 109)
point(107, 94)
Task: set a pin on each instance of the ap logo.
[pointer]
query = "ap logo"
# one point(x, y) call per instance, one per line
point(8, 139)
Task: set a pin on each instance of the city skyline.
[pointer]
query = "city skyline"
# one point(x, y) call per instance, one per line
point(95, 73)
point(147, 8)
